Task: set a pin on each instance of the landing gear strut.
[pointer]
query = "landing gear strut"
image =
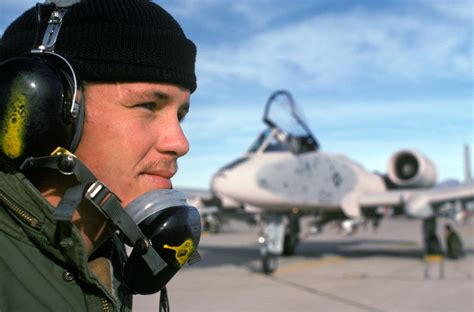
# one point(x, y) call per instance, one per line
point(430, 237)
point(278, 237)
point(292, 235)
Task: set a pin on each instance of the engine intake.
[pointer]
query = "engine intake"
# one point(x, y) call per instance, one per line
point(411, 169)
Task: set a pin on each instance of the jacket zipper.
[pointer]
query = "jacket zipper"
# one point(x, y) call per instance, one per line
point(21, 213)
point(27, 217)
point(105, 304)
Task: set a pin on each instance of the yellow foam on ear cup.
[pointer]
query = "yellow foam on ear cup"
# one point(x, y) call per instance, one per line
point(183, 251)
point(13, 125)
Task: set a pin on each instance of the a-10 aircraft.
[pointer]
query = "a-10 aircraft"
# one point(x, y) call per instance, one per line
point(284, 175)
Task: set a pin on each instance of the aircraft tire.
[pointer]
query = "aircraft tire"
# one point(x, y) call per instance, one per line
point(214, 227)
point(212, 224)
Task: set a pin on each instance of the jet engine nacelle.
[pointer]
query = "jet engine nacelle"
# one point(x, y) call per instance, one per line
point(411, 169)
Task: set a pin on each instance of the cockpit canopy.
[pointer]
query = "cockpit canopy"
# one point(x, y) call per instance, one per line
point(287, 129)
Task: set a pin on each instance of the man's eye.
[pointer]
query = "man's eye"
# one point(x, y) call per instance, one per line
point(148, 105)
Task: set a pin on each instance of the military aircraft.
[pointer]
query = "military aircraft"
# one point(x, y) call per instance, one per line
point(285, 175)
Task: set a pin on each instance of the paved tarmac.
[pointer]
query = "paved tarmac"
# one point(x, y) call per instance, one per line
point(368, 271)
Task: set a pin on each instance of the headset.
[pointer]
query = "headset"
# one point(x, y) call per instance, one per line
point(41, 103)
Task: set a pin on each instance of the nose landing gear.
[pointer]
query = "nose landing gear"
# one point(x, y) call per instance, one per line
point(279, 236)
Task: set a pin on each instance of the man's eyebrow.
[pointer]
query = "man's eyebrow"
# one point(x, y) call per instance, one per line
point(158, 95)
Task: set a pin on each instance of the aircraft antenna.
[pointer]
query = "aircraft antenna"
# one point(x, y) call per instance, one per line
point(467, 164)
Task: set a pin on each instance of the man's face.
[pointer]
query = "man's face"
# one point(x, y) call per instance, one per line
point(132, 135)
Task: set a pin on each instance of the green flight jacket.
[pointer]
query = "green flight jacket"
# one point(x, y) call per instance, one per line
point(43, 265)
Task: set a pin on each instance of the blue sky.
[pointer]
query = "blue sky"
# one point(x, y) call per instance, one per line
point(372, 77)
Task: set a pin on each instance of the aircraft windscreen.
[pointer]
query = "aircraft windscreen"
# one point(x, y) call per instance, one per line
point(282, 112)
point(260, 140)
point(272, 144)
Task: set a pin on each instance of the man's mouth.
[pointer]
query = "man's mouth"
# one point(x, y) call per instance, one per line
point(160, 179)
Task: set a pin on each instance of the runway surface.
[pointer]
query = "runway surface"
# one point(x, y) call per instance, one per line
point(368, 271)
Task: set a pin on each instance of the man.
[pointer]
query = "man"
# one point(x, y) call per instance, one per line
point(136, 68)
point(454, 246)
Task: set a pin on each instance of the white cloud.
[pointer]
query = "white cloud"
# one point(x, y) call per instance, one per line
point(457, 9)
point(252, 14)
point(378, 110)
point(335, 49)
point(240, 118)
point(261, 13)
point(190, 8)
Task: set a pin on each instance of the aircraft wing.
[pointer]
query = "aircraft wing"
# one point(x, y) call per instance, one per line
point(203, 199)
point(208, 205)
point(195, 192)
point(419, 203)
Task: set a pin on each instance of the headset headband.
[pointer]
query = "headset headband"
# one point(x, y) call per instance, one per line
point(52, 30)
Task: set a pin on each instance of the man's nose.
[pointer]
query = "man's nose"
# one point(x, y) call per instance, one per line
point(172, 139)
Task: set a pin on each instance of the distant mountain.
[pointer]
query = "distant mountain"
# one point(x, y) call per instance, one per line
point(449, 183)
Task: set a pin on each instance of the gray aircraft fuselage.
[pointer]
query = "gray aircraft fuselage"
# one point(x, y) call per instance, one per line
point(282, 181)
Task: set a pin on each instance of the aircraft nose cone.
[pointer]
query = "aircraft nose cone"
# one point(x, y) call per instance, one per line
point(226, 180)
point(215, 181)
point(223, 187)
point(219, 183)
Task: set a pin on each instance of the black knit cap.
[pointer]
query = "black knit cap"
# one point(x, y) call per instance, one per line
point(114, 41)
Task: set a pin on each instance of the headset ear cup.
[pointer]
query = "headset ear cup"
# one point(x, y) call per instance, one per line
point(174, 233)
point(32, 96)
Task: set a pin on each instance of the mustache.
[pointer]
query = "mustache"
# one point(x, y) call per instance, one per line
point(167, 165)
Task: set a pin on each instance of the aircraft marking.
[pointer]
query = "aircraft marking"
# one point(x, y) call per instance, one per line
point(308, 178)
point(337, 179)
